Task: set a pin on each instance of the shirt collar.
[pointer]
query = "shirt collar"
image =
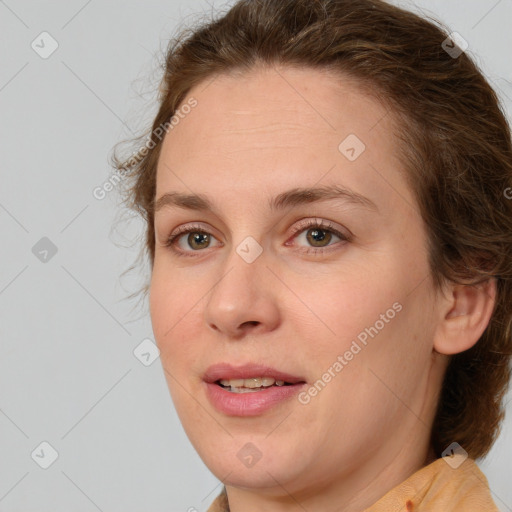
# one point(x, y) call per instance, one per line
point(445, 484)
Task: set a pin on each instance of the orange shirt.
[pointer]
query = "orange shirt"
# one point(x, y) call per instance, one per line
point(437, 487)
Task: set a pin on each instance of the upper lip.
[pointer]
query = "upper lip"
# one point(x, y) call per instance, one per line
point(227, 371)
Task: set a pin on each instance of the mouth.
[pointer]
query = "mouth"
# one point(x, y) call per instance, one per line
point(249, 390)
point(249, 376)
point(251, 385)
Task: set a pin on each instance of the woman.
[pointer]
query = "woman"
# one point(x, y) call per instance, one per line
point(331, 256)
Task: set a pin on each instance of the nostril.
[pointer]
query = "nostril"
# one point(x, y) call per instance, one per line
point(251, 322)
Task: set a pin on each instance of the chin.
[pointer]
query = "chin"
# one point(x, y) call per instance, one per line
point(256, 464)
point(257, 477)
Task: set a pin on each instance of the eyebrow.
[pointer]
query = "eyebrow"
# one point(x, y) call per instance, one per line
point(288, 199)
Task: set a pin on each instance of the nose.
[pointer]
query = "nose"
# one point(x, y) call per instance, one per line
point(244, 300)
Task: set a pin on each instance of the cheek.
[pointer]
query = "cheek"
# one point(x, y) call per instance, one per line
point(385, 350)
point(370, 317)
point(347, 305)
point(160, 305)
point(171, 309)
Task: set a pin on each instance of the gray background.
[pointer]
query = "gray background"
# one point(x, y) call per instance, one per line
point(68, 374)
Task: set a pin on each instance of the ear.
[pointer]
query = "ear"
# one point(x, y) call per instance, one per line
point(465, 314)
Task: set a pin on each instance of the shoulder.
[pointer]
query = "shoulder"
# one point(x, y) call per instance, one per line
point(442, 486)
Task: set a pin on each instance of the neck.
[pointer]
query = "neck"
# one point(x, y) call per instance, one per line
point(354, 491)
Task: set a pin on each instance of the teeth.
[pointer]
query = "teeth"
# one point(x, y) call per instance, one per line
point(252, 383)
point(235, 383)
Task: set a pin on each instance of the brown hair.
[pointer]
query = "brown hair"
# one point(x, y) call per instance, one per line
point(455, 146)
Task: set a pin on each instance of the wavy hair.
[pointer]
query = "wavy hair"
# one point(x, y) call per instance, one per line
point(455, 145)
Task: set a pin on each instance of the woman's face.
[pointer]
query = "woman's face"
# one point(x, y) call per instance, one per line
point(331, 290)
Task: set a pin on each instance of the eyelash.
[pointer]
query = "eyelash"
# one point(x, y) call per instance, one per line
point(303, 226)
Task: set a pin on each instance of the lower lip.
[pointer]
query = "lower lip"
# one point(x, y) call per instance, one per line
point(251, 403)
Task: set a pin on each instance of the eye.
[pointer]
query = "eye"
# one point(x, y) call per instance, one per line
point(198, 238)
point(316, 232)
point(319, 234)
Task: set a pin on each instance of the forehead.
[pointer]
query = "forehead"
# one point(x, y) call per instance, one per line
point(269, 127)
point(302, 101)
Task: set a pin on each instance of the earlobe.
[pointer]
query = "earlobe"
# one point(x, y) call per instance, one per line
point(465, 317)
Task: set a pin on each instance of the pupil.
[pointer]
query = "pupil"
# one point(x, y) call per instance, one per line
point(318, 236)
point(199, 238)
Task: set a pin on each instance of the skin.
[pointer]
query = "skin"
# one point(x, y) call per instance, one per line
point(249, 138)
